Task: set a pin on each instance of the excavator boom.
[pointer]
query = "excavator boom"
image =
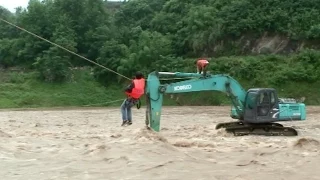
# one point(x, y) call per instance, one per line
point(223, 83)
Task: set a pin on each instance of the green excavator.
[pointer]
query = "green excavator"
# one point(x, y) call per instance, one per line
point(256, 111)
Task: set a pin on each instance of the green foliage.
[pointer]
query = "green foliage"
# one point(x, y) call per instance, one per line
point(150, 46)
point(53, 64)
point(111, 54)
point(68, 23)
point(52, 67)
point(247, 38)
point(143, 31)
point(273, 70)
point(23, 90)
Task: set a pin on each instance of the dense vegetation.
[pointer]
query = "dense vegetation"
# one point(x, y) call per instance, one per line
point(260, 43)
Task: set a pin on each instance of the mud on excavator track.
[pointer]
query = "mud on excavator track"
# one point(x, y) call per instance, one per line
point(267, 129)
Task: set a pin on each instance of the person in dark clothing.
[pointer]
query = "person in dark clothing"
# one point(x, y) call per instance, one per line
point(133, 91)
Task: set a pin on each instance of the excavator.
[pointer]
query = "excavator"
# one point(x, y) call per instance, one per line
point(256, 110)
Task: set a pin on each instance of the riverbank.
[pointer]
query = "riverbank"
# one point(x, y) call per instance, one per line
point(22, 89)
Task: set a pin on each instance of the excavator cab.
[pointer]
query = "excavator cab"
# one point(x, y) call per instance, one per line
point(261, 106)
point(260, 112)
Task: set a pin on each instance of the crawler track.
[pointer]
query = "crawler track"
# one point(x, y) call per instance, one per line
point(268, 129)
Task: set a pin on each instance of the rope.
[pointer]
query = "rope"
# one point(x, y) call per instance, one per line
point(64, 48)
point(82, 58)
point(76, 53)
point(109, 102)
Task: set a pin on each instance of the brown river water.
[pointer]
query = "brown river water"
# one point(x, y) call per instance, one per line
point(89, 143)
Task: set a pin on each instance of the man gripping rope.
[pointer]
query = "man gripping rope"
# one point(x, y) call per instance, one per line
point(134, 91)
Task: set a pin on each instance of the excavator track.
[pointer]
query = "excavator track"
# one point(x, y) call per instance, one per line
point(239, 123)
point(268, 129)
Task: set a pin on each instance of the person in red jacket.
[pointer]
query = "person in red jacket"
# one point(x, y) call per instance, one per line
point(134, 91)
point(201, 66)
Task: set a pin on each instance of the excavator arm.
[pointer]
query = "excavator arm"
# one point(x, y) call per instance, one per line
point(222, 83)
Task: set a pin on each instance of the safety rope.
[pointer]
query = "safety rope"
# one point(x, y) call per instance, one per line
point(138, 105)
point(76, 53)
point(109, 102)
point(64, 48)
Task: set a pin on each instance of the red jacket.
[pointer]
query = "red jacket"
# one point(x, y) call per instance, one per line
point(137, 90)
point(202, 63)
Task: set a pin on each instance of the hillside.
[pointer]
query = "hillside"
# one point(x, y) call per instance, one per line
point(268, 43)
point(22, 88)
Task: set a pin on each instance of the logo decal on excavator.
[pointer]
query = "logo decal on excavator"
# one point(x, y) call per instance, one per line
point(183, 87)
point(275, 115)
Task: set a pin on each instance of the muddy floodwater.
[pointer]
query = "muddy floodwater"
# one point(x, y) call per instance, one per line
point(83, 144)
